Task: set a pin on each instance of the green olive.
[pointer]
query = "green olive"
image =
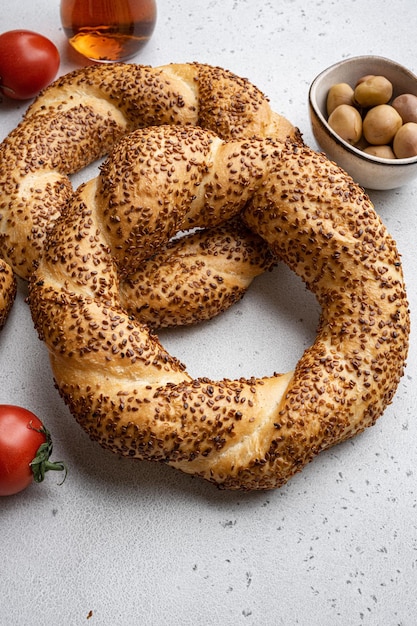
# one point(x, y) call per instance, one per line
point(405, 141)
point(341, 93)
point(406, 106)
point(347, 123)
point(372, 90)
point(383, 152)
point(380, 124)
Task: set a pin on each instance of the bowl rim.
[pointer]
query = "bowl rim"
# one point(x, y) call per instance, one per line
point(369, 158)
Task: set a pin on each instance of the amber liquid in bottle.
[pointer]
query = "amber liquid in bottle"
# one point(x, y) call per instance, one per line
point(108, 30)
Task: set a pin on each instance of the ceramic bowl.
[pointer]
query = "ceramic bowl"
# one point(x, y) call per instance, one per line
point(369, 171)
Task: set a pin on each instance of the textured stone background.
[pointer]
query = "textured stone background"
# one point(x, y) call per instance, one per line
point(124, 543)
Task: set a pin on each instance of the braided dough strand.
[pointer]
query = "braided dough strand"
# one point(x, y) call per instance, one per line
point(136, 399)
point(197, 276)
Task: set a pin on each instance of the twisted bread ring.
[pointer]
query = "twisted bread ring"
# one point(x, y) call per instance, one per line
point(132, 396)
point(83, 114)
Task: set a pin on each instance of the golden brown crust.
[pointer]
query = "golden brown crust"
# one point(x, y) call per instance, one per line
point(195, 277)
point(134, 397)
point(8, 287)
point(81, 116)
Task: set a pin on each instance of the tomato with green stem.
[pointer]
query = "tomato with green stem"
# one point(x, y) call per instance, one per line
point(28, 63)
point(25, 450)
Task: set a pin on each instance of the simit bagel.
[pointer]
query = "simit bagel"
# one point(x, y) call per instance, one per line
point(137, 400)
point(83, 114)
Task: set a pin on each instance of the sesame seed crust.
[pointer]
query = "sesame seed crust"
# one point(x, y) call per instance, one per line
point(8, 288)
point(130, 394)
point(197, 276)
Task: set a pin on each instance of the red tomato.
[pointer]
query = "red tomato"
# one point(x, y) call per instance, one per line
point(25, 448)
point(28, 63)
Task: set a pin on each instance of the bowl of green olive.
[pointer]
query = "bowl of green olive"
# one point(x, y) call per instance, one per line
point(363, 113)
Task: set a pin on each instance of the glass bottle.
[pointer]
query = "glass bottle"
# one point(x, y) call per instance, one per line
point(108, 30)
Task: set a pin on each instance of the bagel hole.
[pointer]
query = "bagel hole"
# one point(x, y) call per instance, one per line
point(265, 332)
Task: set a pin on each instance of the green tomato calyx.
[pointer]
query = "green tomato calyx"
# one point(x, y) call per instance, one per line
point(41, 463)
